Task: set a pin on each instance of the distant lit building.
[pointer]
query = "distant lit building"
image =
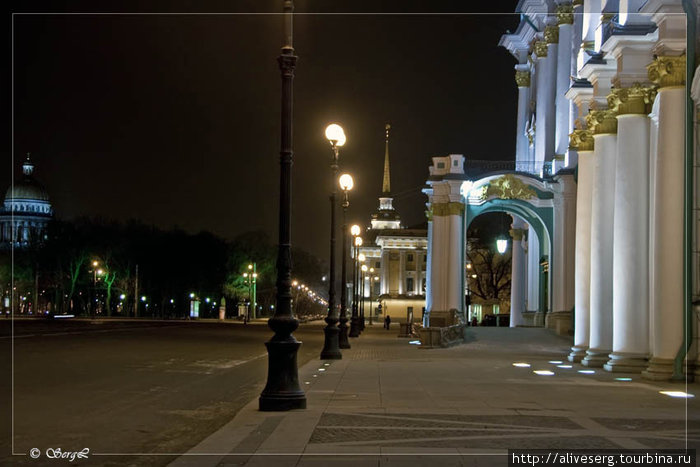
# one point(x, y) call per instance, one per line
point(26, 212)
point(397, 255)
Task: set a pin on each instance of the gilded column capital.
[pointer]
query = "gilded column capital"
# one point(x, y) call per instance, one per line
point(540, 48)
point(667, 71)
point(522, 79)
point(565, 14)
point(429, 214)
point(635, 99)
point(577, 3)
point(448, 209)
point(602, 121)
point(581, 140)
point(517, 234)
point(551, 34)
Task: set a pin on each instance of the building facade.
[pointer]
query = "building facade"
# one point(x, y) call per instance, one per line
point(26, 211)
point(606, 171)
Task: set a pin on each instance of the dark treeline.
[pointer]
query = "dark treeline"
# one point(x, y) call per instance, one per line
point(88, 267)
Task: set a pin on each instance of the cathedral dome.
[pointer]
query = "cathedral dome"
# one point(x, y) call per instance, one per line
point(27, 189)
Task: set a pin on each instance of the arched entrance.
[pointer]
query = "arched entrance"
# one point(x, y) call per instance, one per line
point(543, 206)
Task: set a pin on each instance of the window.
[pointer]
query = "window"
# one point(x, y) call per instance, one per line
point(440, 165)
point(410, 257)
point(378, 264)
point(454, 162)
point(409, 284)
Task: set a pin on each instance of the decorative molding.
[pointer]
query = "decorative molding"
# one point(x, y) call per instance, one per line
point(602, 121)
point(565, 14)
point(522, 79)
point(667, 71)
point(509, 187)
point(581, 140)
point(551, 35)
point(540, 48)
point(636, 99)
point(429, 214)
point(588, 45)
point(448, 209)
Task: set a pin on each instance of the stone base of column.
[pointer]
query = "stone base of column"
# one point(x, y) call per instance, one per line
point(659, 369)
point(577, 354)
point(528, 318)
point(559, 321)
point(596, 358)
point(622, 362)
point(443, 319)
point(539, 319)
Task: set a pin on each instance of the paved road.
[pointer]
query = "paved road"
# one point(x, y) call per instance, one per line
point(130, 387)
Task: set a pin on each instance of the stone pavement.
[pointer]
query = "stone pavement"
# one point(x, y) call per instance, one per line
point(389, 403)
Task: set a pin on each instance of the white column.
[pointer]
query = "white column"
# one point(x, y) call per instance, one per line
point(631, 240)
point(428, 269)
point(402, 272)
point(600, 338)
point(582, 294)
point(518, 274)
point(533, 271)
point(385, 271)
point(545, 106)
point(522, 79)
point(667, 254)
point(563, 106)
point(455, 298)
point(602, 214)
point(562, 253)
point(417, 285)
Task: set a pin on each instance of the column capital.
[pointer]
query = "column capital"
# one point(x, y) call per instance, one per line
point(602, 121)
point(565, 14)
point(581, 140)
point(522, 78)
point(429, 214)
point(540, 48)
point(667, 71)
point(636, 99)
point(517, 234)
point(448, 209)
point(551, 34)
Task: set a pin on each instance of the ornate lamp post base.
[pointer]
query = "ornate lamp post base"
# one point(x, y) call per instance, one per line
point(282, 391)
point(331, 348)
point(343, 342)
point(354, 327)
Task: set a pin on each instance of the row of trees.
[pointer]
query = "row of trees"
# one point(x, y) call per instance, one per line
point(89, 267)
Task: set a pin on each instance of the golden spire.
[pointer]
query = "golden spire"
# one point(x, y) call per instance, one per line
point(386, 183)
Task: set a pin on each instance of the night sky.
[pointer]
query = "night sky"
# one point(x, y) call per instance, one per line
point(174, 119)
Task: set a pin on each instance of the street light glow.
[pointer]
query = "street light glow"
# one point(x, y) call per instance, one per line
point(361, 257)
point(346, 182)
point(501, 245)
point(335, 134)
point(358, 241)
point(355, 230)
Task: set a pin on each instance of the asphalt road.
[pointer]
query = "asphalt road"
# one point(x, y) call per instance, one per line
point(129, 387)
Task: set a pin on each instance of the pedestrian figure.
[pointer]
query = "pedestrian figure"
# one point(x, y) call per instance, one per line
point(387, 322)
point(474, 321)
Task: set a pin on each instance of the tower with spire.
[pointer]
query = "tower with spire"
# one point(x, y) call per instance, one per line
point(386, 217)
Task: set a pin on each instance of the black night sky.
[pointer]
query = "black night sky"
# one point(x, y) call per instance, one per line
point(174, 119)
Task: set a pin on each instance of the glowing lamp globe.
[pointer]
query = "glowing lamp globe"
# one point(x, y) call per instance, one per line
point(335, 134)
point(355, 230)
point(361, 257)
point(346, 183)
point(364, 266)
point(501, 245)
point(358, 241)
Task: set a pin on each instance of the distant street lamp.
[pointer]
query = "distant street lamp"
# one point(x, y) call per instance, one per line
point(331, 347)
point(355, 320)
point(362, 288)
point(282, 390)
point(346, 184)
point(501, 245)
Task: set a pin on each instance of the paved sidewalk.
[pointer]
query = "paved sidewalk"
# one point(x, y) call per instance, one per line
point(389, 403)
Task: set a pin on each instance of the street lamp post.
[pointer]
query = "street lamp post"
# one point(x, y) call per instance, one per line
point(346, 184)
point(371, 286)
point(363, 276)
point(354, 321)
point(282, 390)
point(331, 348)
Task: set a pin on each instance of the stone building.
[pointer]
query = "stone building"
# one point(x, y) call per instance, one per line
point(26, 212)
point(397, 256)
